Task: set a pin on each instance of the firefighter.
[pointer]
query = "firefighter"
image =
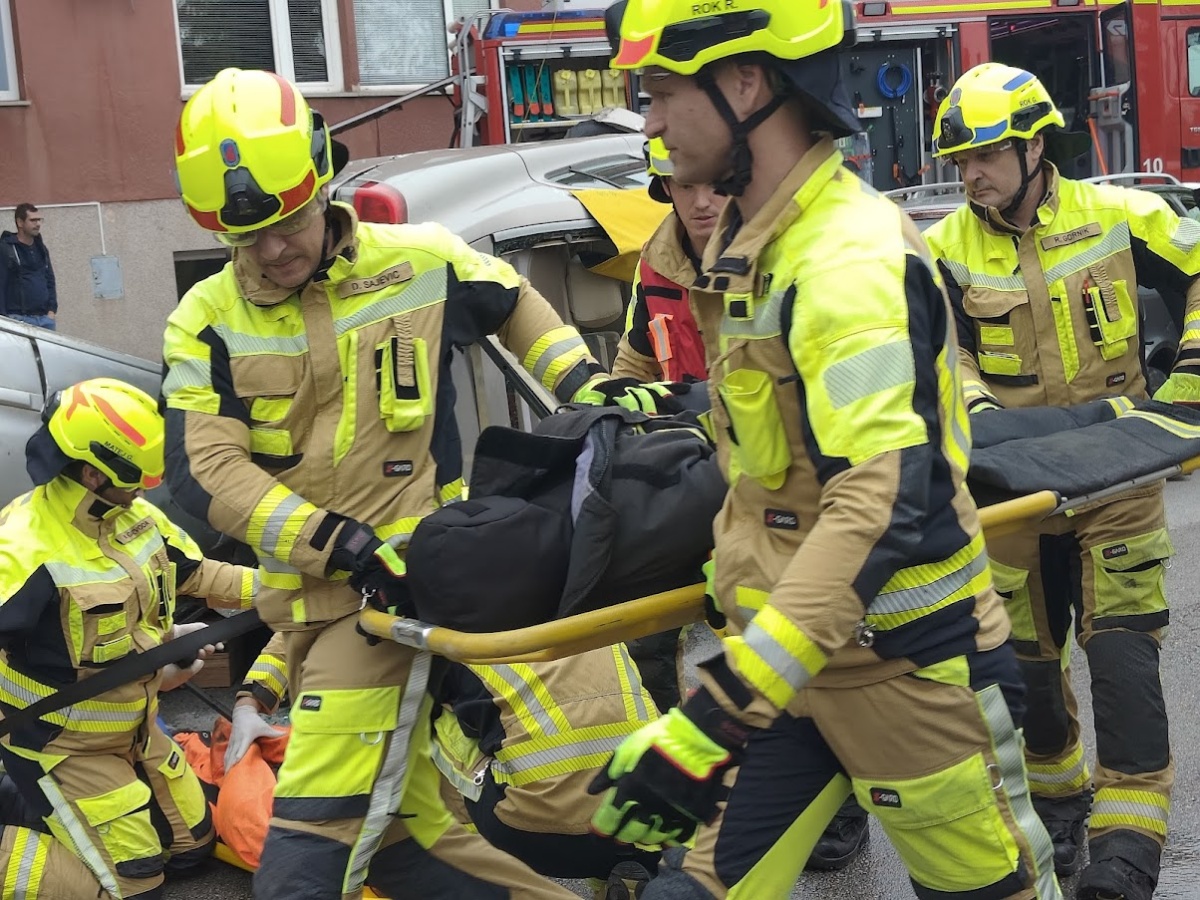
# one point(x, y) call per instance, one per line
point(1043, 273)
point(661, 342)
point(89, 572)
point(517, 746)
point(868, 647)
point(310, 414)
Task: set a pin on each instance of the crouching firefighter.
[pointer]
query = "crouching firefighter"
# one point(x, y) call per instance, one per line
point(868, 647)
point(89, 573)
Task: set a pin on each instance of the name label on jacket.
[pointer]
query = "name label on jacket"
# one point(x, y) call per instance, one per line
point(394, 275)
point(139, 528)
point(1092, 229)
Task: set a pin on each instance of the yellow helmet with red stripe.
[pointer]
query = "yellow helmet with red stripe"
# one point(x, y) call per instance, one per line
point(111, 425)
point(249, 151)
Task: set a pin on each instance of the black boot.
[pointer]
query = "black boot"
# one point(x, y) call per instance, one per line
point(626, 881)
point(1124, 866)
point(1065, 819)
point(843, 839)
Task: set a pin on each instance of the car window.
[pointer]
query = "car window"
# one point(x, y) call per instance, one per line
point(609, 171)
point(1193, 61)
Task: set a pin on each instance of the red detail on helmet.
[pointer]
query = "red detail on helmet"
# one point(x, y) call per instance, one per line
point(299, 195)
point(633, 52)
point(122, 426)
point(78, 398)
point(179, 147)
point(206, 220)
point(287, 100)
point(150, 482)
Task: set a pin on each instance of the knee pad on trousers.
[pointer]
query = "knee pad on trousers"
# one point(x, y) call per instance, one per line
point(1047, 724)
point(397, 867)
point(297, 865)
point(1127, 702)
point(672, 883)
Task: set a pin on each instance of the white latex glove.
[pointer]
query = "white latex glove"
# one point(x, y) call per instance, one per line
point(248, 727)
point(174, 675)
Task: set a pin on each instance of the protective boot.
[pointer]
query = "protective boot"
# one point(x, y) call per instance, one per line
point(626, 881)
point(843, 839)
point(1066, 821)
point(1124, 866)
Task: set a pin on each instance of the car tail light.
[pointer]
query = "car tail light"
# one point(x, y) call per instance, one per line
point(377, 202)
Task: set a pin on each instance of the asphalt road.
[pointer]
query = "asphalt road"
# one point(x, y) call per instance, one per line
point(877, 874)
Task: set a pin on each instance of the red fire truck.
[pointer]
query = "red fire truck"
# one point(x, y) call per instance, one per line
point(1126, 75)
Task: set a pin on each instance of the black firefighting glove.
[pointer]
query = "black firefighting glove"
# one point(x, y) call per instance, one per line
point(376, 570)
point(666, 778)
point(656, 398)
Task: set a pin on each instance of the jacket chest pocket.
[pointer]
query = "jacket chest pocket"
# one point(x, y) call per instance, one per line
point(1108, 307)
point(269, 385)
point(403, 378)
point(101, 619)
point(1004, 344)
point(749, 412)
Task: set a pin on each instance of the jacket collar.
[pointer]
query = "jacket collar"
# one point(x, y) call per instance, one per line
point(736, 245)
point(70, 501)
point(261, 291)
point(667, 254)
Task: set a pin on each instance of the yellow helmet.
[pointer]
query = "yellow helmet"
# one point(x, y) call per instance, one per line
point(989, 104)
point(683, 36)
point(249, 151)
point(659, 166)
point(105, 422)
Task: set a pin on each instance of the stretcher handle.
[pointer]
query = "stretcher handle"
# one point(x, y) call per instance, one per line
point(623, 621)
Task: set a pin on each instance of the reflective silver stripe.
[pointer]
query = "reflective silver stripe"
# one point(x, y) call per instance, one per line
point(511, 765)
point(426, 289)
point(522, 689)
point(33, 842)
point(775, 655)
point(464, 785)
point(965, 278)
point(187, 373)
point(389, 784)
point(268, 668)
point(240, 344)
point(767, 321)
point(635, 683)
point(1187, 235)
point(555, 352)
point(1062, 777)
point(924, 595)
point(275, 566)
point(66, 575)
point(1010, 758)
point(74, 714)
point(273, 529)
point(874, 370)
point(1116, 240)
point(83, 848)
point(1128, 809)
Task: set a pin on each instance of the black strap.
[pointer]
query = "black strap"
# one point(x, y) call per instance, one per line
point(133, 667)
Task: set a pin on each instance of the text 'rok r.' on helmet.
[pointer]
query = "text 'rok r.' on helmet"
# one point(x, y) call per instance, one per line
point(112, 425)
point(249, 151)
point(989, 104)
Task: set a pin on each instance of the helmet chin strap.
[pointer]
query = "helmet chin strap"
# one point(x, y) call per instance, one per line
point(1027, 178)
point(326, 261)
point(741, 157)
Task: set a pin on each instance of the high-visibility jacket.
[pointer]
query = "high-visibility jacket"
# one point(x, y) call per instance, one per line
point(286, 406)
point(82, 585)
point(542, 729)
point(848, 549)
point(1050, 316)
point(661, 340)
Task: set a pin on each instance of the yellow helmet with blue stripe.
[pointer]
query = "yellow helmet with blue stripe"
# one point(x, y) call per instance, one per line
point(989, 104)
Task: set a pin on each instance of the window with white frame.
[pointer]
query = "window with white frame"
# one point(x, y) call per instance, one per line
point(296, 38)
point(406, 42)
point(9, 89)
